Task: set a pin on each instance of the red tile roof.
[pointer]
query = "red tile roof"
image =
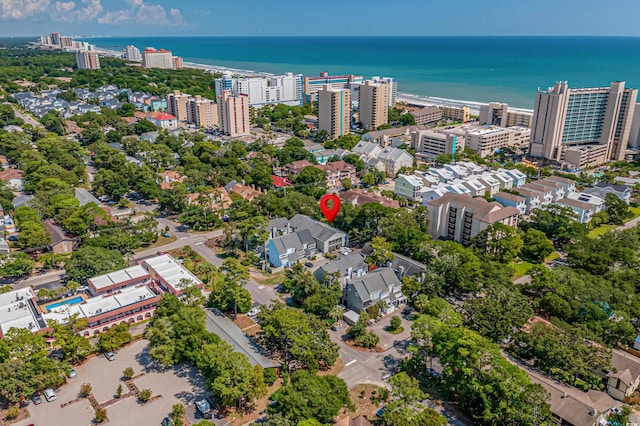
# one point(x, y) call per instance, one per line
point(279, 182)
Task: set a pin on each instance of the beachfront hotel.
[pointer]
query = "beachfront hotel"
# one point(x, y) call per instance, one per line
point(132, 53)
point(164, 59)
point(334, 110)
point(281, 89)
point(582, 127)
point(233, 114)
point(374, 104)
point(87, 60)
point(499, 114)
point(338, 82)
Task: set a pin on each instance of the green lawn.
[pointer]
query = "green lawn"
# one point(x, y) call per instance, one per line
point(553, 256)
point(521, 268)
point(635, 211)
point(601, 230)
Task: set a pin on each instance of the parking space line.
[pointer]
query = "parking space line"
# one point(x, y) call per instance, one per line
point(353, 361)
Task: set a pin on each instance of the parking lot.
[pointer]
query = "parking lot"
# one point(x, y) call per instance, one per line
point(181, 384)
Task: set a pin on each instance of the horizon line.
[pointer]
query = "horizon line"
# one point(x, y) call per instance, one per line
point(338, 36)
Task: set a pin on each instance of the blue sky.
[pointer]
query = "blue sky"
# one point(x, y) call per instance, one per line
point(335, 17)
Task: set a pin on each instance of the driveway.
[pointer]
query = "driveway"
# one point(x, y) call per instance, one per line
point(180, 384)
point(387, 339)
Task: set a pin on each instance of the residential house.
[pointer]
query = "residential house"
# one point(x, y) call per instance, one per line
point(327, 239)
point(531, 198)
point(594, 200)
point(294, 169)
point(569, 185)
point(461, 217)
point(403, 265)
point(545, 194)
point(444, 175)
point(60, 242)
point(395, 136)
point(432, 193)
point(601, 189)
point(410, 187)
point(246, 192)
point(584, 211)
point(624, 379)
point(163, 120)
point(359, 197)
point(473, 168)
point(12, 178)
point(336, 171)
point(519, 178)
point(370, 149)
point(457, 188)
point(85, 197)
point(280, 182)
point(358, 421)
point(506, 181)
point(216, 200)
point(557, 189)
point(395, 159)
point(491, 183)
point(346, 267)
point(72, 128)
point(168, 178)
point(288, 249)
point(475, 186)
point(459, 172)
point(511, 200)
point(379, 285)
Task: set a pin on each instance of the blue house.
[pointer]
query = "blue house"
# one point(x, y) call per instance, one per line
point(511, 200)
point(288, 249)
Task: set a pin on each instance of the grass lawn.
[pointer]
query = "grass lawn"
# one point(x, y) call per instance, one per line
point(161, 241)
point(635, 211)
point(601, 230)
point(553, 256)
point(521, 268)
point(266, 278)
point(394, 331)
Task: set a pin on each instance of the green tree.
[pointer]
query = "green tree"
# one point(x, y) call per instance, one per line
point(128, 373)
point(89, 262)
point(100, 415)
point(113, 185)
point(536, 245)
point(381, 251)
point(33, 235)
point(501, 242)
point(145, 395)
point(312, 181)
point(395, 323)
point(17, 264)
point(115, 338)
point(617, 209)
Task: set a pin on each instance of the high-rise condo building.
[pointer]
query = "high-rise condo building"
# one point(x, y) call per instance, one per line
point(177, 63)
point(55, 39)
point(499, 114)
point(66, 42)
point(334, 110)
point(45, 40)
point(392, 86)
point(152, 58)
point(374, 104)
point(177, 105)
point(313, 84)
point(582, 127)
point(132, 53)
point(87, 60)
point(202, 112)
point(282, 89)
point(233, 113)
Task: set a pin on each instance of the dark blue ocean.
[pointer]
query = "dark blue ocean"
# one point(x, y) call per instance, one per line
point(480, 69)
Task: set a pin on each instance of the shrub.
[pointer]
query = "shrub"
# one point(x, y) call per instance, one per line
point(12, 412)
point(270, 376)
point(101, 414)
point(396, 322)
point(119, 391)
point(85, 390)
point(128, 373)
point(145, 395)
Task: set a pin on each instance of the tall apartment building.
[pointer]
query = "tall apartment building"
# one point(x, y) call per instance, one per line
point(177, 105)
point(461, 218)
point(454, 113)
point(45, 40)
point(392, 85)
point(55, 39)
point(178, 63)
point(334, 110)
point(582, 126)
point(87, 60)
point(282, 89)
point(487, 140)
point(233, 114)
point(132, 53)
point(202, 112)
point(338, 82)
point(429, 144)
point(499, 114)
point(152, 58)
point(374, 104)
point(426, 115)
point(66, 42)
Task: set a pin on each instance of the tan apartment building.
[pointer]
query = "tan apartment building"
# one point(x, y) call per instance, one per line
point(87, 60)
point(577, 126)
point(177, 105)
point(233, 114)
point(202, 112)
point(461, 218)
point(499, 114)
point(429, 144)
point(334, 110)
point(152, 58)
point(426, 115)
point(454, 113)
point(374, 104)
point(337, 171)
point(487, 140)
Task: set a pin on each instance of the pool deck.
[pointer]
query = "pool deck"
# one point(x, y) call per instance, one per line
point(43, 308)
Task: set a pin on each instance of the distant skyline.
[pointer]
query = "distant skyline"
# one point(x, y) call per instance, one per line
point(331, 17)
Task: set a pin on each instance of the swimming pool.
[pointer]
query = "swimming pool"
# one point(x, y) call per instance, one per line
point(71, 301)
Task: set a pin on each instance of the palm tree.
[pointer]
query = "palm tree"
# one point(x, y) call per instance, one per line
point(336, 313)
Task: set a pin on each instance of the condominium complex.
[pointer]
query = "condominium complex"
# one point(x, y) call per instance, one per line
point(426, 115)
point(374, 104)
point(55, 38)
point(282, 89)
point(233, 114)
point(202, 112)
point(334, 110)
point(87, 60)
point(487, 140)
point(132, 53)
point(338, 82)
point(454, 113)
point(499, 114)
point(66, 42)
point(582, 127)
point(177, 105)
point(392, 86)
point(152, 58)
point(461, 218)
point(429, 144)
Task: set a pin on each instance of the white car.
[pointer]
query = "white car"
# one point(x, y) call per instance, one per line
point(50, 394)
point(254, 312)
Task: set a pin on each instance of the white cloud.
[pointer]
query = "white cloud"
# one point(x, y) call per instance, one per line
point(117, 17)
point(67, 11)
point(18, 10)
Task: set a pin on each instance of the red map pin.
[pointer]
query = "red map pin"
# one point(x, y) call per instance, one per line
point(330, 211)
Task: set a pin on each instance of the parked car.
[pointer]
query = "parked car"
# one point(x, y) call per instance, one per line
point(204, 407)
point(166, 422)
point(50, 394)
point(308, 265)
point(36, 399)
point(380, 412)
point(407, 310)
point(110, 356)
point(254, 312)
point(433, 373)
point(339, 325)
point(72, 373)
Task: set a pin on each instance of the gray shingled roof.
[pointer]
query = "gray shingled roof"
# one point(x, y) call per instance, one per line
point(354, 261)
point(319, 230)
point(411, 267)
point(297, 240)
point(379, 280)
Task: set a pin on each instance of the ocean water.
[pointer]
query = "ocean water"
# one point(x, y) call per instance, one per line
point(479, 69)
